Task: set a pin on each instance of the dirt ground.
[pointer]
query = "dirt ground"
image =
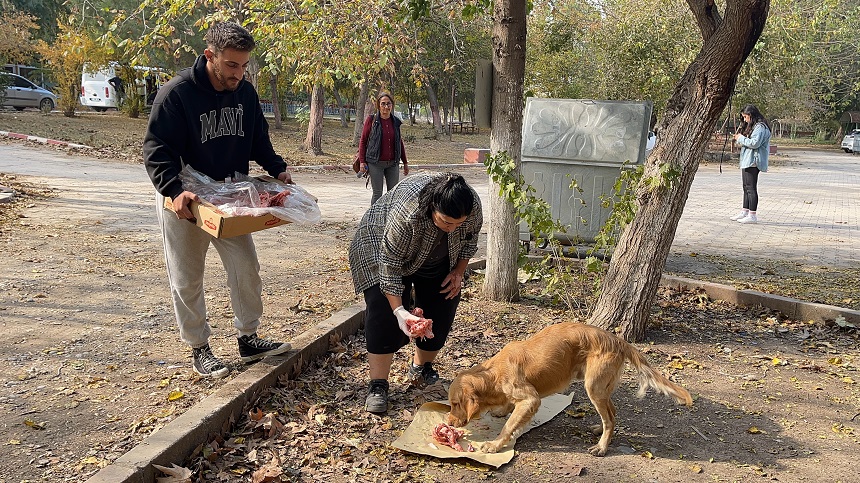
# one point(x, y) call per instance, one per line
point(93, 364)
point(115, 136)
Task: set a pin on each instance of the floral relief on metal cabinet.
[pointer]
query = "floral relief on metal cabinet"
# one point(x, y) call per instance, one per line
point(603, 132)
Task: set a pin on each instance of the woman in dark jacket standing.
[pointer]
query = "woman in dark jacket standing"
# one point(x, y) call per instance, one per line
point(380, 148)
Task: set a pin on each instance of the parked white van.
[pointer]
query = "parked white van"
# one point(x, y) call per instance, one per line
point(99, 88)
point(96, 91)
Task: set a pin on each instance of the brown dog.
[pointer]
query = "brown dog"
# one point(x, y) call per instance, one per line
point(514, 380)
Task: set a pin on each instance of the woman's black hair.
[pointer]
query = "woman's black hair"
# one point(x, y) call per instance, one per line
point(448, 194)
point(755, 117)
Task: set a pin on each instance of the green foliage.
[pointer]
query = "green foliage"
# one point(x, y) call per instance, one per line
point(448, 53)
point(17, 32)
point(622, 202)
point(536, 214)
point(805, 69)
point(66, 57)
point(134, 102)
point(534, 211)
point(666, 178)
point(617, 49)
point(303, 116)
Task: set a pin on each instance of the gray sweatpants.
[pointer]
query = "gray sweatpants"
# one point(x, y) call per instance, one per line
point(376, 173)
point(185, 247)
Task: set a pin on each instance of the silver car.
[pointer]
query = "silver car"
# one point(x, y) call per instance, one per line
point(20, 93)
point(850, 141)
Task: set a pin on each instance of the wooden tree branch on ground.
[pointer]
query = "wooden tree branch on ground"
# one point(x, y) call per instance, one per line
point(700, 97)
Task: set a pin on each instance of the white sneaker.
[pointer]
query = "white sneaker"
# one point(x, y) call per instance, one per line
point(748, 219)
point(740, 215)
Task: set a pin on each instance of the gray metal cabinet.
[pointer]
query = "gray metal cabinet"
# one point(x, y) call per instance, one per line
point(585, 140)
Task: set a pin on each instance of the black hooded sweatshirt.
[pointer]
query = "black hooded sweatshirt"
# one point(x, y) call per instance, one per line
point(217, 133)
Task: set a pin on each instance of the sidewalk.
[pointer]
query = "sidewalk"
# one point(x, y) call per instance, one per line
point(809, 211)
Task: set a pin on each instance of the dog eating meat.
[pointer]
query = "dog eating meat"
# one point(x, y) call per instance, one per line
point(513, 381)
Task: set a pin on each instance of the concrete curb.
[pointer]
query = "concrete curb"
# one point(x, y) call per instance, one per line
point(54, 142)
point(791, 308)
point(7, 195)
point(179, 438)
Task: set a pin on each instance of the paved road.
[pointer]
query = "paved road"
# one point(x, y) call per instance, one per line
point(809, 210)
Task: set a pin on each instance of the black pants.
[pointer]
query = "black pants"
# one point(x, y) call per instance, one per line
point(750, 181)
point(380, 325)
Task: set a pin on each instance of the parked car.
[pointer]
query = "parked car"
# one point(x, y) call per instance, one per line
point(20, 93)
point(848, 142)
point(102, 89)
point(650, 143)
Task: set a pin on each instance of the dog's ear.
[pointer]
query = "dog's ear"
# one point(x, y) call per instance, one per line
point(472, 407)
point(470, 395)
point(479, 383)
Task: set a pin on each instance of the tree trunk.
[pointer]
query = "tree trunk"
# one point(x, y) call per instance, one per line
point(276, 104)
point(509, 62)
point(253, 72)
point(699, 99)
point(434, 108)
point(451, 119)
point(313, 142)
point(340, 103)
point(360, 109)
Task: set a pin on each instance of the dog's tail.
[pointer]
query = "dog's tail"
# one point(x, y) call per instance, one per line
point(649, 377)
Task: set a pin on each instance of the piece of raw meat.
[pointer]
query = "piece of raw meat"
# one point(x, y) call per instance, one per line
point(422, 327)
point(448, 435)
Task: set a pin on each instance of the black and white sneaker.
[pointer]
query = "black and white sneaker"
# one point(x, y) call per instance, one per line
point(206, 364)
point(253, 348)
point(422, 376)
point(377, 397)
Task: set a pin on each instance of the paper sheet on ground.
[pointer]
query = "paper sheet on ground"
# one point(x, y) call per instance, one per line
point(417, 437)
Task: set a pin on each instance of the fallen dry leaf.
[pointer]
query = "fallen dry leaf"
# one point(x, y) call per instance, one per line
point(175, 474)
point(33, 424)
point(268, 473)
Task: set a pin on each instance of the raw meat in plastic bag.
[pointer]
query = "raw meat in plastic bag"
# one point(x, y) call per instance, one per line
point(244, 195)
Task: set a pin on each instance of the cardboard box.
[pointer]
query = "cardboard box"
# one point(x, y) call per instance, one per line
point(221, 225)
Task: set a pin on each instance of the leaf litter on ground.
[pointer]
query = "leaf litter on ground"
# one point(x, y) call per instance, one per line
point(324, 432)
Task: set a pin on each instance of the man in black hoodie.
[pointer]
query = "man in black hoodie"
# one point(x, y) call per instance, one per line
point(210, 118)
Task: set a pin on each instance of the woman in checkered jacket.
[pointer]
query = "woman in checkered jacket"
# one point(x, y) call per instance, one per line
point(418, 236)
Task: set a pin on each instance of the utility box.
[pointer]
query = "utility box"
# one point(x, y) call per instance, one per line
point(584, 140)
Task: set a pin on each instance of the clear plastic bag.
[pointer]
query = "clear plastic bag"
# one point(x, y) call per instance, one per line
point(247, 196)
point(288, 202)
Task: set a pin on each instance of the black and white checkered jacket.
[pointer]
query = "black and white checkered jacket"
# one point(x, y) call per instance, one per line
point(394, 238)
